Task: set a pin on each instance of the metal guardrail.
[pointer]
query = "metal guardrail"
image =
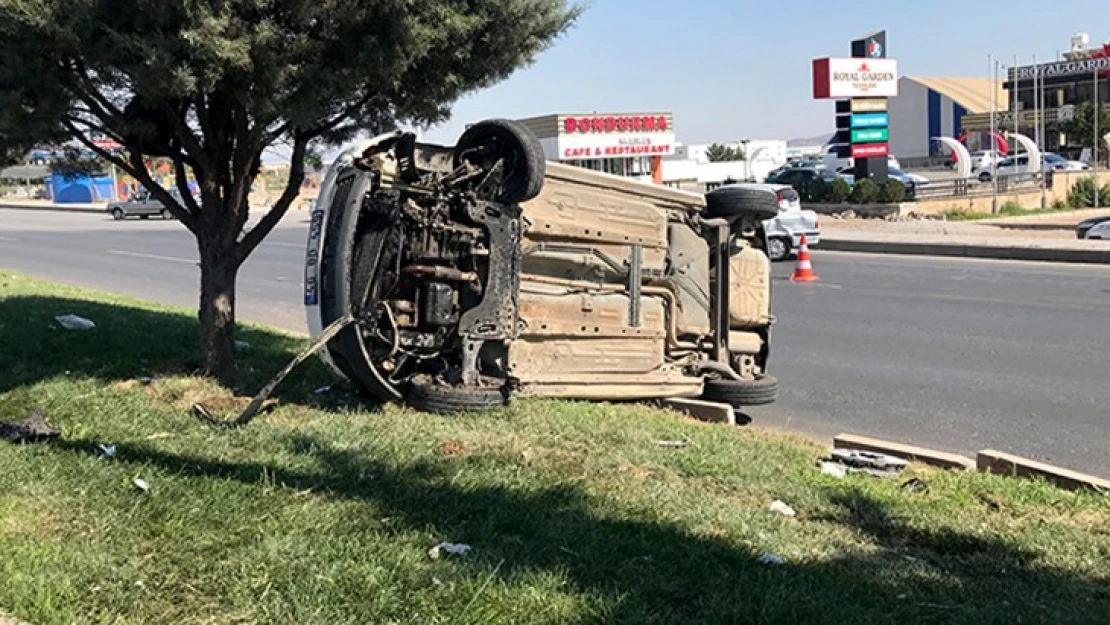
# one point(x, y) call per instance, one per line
point(976, 187)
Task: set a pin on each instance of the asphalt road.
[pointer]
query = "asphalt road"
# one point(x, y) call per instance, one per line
point(949, 353)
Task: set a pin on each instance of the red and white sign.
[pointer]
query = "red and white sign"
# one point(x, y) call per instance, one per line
point(107, 144)
point(840, 78)
point(583, 147)
point(610, 124)
point(870, 150)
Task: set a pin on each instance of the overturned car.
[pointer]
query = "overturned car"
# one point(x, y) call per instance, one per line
point(479, 272)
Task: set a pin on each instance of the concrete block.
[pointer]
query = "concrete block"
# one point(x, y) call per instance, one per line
point(999, 463)
point(708, 411)
point(930, 457)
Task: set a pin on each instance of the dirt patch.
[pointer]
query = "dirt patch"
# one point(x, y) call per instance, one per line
point(452, 448)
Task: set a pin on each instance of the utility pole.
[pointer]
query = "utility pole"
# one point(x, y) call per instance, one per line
point(1014, 97)
point(1038, 112)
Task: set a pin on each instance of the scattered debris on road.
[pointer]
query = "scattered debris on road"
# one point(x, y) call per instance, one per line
point(781, 508)
point(32, 430)
point(74, 322)
point(448, 549)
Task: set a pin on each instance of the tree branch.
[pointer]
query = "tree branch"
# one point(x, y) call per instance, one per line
point(69, 123)
point(183, 187)
point(292, 188)
point(320, 129)
point(167, 200)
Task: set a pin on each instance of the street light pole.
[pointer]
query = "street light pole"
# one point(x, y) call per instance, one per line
point(992, 72)
point(1098, 111)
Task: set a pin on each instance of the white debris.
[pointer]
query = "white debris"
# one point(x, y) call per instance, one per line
point(834, 469)
point(672, 444)
point(106, 451)
point(782, 508)
point(146, 380)
point(448, 549)
point(322, 390)
point(74, 322)
point(769, 558)
point(141, 484)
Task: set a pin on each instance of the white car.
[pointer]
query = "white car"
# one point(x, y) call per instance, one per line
point(1018, 166)
point(982, 159)
point(784, 231)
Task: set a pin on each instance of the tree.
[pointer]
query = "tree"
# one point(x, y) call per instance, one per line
point(718, 153)
point(1081, 129)
point(211, 84)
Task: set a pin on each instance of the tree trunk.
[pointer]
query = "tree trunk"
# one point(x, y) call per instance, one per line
point(219, 269)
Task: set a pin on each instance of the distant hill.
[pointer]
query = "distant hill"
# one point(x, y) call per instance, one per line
point(817, 140)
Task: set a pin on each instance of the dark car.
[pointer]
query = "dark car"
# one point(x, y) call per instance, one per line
point(1085, 226)
point(801, 177)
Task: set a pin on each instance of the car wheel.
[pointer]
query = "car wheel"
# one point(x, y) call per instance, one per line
point(117, 214)
point(166, 214)
point(488, 141)
point(729, 201)
point(764, 389)
point(984, 177)
point(440, 398)
point(778, 248)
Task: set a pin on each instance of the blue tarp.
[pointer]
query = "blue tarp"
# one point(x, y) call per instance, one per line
point(79, 189)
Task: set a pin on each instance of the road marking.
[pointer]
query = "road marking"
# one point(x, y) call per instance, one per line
point(171, 259)
point(9, 239)
point(299, 246)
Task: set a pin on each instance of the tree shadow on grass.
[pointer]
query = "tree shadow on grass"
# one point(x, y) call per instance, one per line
point(653, 571)
point(129, 343)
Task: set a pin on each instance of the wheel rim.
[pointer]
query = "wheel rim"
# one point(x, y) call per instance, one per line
point(777, 248)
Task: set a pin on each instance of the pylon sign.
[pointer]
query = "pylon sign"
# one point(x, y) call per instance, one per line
point(860, 85)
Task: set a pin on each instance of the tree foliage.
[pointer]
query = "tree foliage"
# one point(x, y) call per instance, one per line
point(719, 153)
point(211, 84)
point(864, 192)
point(1081, 129)
point(839, 190)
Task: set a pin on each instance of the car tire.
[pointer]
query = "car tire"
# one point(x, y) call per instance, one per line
point(492, 139)
point(439, 398)
point(166, 214)
point(764, 389)
point(778, 248)
point(731, 201)
point(984, 177)
point(117, 214)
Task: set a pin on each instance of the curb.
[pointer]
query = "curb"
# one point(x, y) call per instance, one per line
point(930, 457)
point(963, 250)
point(999, 463)
point(986, 461)
point(54, 208)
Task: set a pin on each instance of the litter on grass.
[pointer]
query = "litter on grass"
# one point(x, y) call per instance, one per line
point(31, 430)
point(448, 549)
point(915, 485)
point(106, 451)
point(322, 390)
point(769, 558)
point(833, 469)
point(74, 322)
point(781, 508)
point(141, 484)
point(672, 444)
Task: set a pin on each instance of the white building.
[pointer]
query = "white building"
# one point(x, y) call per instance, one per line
point(691, 162)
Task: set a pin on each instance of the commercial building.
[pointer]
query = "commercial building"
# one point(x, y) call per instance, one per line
point(928, 107)
point(623, 144)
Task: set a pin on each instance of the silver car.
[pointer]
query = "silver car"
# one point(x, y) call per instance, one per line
point(142, 205)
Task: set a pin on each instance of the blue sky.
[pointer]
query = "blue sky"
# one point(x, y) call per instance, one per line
point(740, 69)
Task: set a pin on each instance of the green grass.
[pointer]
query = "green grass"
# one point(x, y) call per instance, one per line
point(1009, 209)
point(322, 511)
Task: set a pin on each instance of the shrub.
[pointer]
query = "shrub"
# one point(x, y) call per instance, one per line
point(817, 190)
point(1082, 194)
point(864, 192)
point(838, 191)
point(892, 192)
point(1012, 208)
point(1059, 205)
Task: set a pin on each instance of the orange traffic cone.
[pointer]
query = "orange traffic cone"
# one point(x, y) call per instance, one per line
point(803, 271)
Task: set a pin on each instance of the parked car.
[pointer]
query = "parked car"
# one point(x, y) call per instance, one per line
point(785, 230)
point(143, 205)
point(799, 178)
point(1094, 228)
point(983, 158)
point(1017, 167)
point(454, 278)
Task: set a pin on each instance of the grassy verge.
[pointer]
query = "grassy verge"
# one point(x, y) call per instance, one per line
point(323, 511)
point(1009, 209)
